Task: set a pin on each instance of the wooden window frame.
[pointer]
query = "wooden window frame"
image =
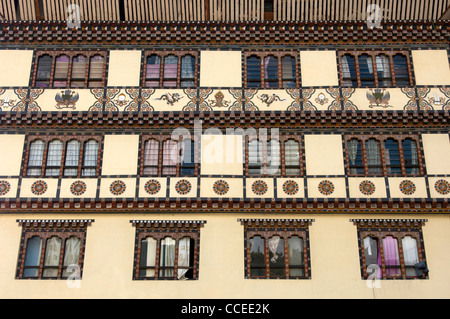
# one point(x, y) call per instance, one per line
point(83, 139)
point(71, 54)
point(161, 138)
point(381, 139)
point(160, 229)
point(162, 55)
point(279, 55)
point(398, 229)
point(374, 54)
point(267, 228)
point(46, 229)
point(282, 140)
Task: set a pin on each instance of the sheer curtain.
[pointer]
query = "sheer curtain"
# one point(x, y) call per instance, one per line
point(61, 71)
point(273, 157)
point(35, 158)
point(72, 158)
point(296, 258)
point(255, 156)
point(383, 70)
point(373, 157)
point(151, 154)
point(152, 73)
point(52, 255)
point(167, 257)
point(53, 165)
point(391, 256)
point(352, 151)
point(346, 71)
point(292, 157)
point(148, 257)
point(410, 254)
point(170, 71)
point(71, 254)
point(187, 71)
point(183, 256)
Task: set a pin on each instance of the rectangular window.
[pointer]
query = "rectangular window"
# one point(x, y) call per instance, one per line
point(62, 156)
point(166, 249)
point(383, 155)
point(391, 249)
point(52, 249)
point(69, 69)
point(271, 69)
point(276, 248)
point(170, 69)
point(375, 68)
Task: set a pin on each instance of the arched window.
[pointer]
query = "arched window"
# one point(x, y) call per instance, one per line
point(410, 156)
point(170, 71)
point(61, 71)
point(410, 255)
point(383, 70)
point(170, 158)
point(271, 71)
point(54, 155)
point(373, 154)
point(288, 72)
point(90, 157)
point(72, 251)
point(147, 260)
point(255, 156)
point(366, 74)
point(391, 256)
point(151, 158)
point(78, 75)
point(96, 67)
point(32, 257)
point(167, 257)
point(44, 69)
point(392, 157)
point(296, 257)
point(187, 167)
point(257, 259)
point(355, 157)
point(188, 71)
point(292, 157)
point(276, 257)
point(52, 256)
point(186, 246)
point(35, 158)
point(401, 70)
point(348, 64)
point(273, 157)
point(372, 256)
point(72, 158)
point(152, 74)
point(253, 72)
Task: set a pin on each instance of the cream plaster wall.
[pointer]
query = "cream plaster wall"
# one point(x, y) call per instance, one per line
point(120, 155)
point(335, 266)
point(221, 155)
point(124, 67)
point(324, 155)
point(431, 67)
point(319, 68)
point(436, 149)
point(220, 69)
point(16, 67)
point(11, 154)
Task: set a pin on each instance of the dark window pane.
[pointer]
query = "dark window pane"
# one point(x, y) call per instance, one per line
point(32, 257)
point(392, 155)
point(276, 257)
point(355, 157)
point(44, 69)
point(257, 262)
point(401, 70)
point(366, 74)
point(253, 72)
point(348, 70)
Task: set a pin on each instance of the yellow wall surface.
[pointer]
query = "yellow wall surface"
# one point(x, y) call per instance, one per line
point(335, 265)
point(124, 67)
point(221, 155)
point(16, 67)
point(220, 69)
point(11, 159)
point(120, 155)
point(431, 67)
point(319, 68)
point(324, 155)
point(436, 149)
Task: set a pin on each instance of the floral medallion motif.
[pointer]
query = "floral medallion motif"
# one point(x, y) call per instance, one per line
point(441, 186)
point(407, 187)
point(117, 187)
point(290, 187)
point(39, 187)
point(5, 186)
point(259, 187)
point(326, 187)
point(367, 187)
point(183, 187)
point(152, 187)
point(221, 187)
point(78, 188)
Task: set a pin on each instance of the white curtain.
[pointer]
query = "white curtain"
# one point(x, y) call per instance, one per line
point(150, 256)
point(273, 157)
point(410, 254)
point(183, 256)
point(52, 255)
point(71, 254)
point(414, 158)
point(273, 245)
point(352, 151)
point(167, 257)
point(373, 157)
point(292, 157)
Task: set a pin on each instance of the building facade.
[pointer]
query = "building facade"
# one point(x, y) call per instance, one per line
point(244, 149)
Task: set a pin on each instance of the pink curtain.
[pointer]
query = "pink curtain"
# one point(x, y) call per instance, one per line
point(391, 257)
